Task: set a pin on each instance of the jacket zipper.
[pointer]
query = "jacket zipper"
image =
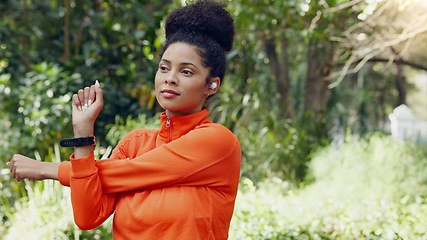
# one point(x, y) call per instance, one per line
point(168, 125)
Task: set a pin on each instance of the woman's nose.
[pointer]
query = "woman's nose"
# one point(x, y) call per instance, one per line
point(171, 79)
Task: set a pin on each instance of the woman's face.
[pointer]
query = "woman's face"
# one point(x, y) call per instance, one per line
point(180, 82)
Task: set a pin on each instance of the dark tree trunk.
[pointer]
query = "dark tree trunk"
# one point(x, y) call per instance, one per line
point(319, 57)
point(280, 67)
point(401, 86)
point(24, 58)
point(66, 31)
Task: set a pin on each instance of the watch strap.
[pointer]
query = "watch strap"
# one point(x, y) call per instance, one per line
point(77, 142)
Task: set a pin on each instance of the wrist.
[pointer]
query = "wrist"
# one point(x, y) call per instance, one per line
point(83, 133)
point(87, 148)
point(49, 170)
point(83, 151)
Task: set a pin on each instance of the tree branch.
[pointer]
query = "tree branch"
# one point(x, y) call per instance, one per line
point(341, 74)
point(342, 6)
point(11, 13)
point(401, 62)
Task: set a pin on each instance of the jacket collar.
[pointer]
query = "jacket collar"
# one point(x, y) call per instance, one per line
point(174, 127)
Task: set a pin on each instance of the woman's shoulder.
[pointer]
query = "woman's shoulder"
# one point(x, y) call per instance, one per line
point(214, 140)
point(217, 131)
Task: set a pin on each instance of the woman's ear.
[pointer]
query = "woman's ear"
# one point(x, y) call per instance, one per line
point(214, 86)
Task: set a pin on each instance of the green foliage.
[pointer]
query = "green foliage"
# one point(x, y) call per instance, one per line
point(362, 105)
point(39, 108)
point(114, 42)
point(46, 213)
point(256, 214)
point(280, 149)
point(271, 146)
point(372, 189)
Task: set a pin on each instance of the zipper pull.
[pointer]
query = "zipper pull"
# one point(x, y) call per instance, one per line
point(168, 125)
point(168, 122)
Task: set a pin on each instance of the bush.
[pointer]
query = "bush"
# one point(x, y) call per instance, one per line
point(271, 146)
point(37, 109)
point(372, 189)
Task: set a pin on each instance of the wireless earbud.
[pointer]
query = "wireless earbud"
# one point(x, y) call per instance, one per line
point(214, 85)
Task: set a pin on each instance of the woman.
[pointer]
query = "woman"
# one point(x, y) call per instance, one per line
point(177, 182)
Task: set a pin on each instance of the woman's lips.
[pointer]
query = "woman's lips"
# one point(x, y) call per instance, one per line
point(168, 93)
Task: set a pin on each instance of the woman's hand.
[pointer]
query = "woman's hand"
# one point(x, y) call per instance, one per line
point(87, 104)
point(23, 167)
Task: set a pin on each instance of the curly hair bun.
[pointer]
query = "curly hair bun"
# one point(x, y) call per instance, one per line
point(203, 17)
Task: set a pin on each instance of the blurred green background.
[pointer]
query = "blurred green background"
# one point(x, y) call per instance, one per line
point(309, 89)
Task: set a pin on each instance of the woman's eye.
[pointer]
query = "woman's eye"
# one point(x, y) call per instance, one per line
point(187, 72)
point(163, 68)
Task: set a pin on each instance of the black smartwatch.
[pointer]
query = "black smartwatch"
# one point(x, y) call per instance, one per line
point(77, 142)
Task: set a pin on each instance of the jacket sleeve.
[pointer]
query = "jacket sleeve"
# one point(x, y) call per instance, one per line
point(64, 170)
point(90, 206)
point(208, 156)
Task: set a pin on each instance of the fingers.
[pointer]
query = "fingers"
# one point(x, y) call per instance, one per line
point(22, 167)
point(87, 96)
point(18, 178)
point(12, 166)
point(91, 96)
point(76, 102)
point(81, 99)
point(99, 93)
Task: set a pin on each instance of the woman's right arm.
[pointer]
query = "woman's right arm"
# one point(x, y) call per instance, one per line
point(23, 167)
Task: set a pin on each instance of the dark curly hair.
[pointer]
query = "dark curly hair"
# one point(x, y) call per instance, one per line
point(207, 26)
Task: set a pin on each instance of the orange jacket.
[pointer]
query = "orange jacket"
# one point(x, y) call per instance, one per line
point(178, 182)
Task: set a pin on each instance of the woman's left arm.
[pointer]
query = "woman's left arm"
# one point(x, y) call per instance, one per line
point(90, 206)
point(87, 104)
